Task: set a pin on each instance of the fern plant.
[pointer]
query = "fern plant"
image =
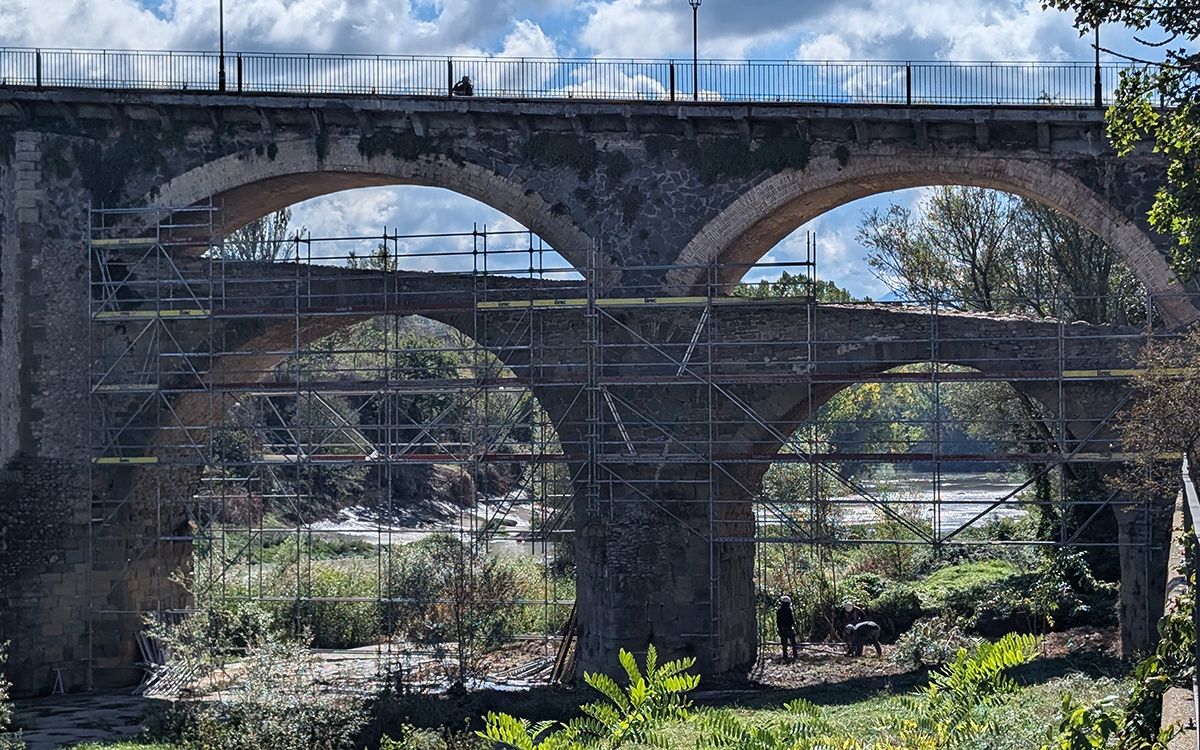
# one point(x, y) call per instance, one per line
point(952, 711)
point(635, 714)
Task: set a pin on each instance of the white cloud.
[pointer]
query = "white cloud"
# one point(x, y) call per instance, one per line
point(528, 40)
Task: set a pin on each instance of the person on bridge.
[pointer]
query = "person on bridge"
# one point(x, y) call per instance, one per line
point(464, 87)
point(785, 623)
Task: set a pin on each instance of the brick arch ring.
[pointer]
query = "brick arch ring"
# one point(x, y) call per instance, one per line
point(762, 216)
point(250, 185)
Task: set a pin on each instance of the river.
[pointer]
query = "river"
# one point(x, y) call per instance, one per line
point(963, 495)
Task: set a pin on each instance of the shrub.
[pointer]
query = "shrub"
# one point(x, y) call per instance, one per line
point(455, 600)
point(895, 609)
point(277, 704)
point(9, 740)
point(931, 642)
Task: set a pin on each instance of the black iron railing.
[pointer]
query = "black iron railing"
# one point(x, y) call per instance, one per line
point(906, 83)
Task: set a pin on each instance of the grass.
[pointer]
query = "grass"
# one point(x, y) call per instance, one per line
point(1022, 721)
point(943, 583)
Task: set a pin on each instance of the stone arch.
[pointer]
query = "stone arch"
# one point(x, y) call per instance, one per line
point(253, 183)
point(750, 226)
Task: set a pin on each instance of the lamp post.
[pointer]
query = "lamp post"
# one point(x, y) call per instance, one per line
point(1098, 94)
point(695, 51)
point(221, 53)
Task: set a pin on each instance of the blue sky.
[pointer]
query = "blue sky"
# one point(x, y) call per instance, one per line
point(776, 29)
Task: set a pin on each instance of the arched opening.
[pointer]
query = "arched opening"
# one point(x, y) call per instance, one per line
point(742, 234)
point(946, 454)
point(352, 445)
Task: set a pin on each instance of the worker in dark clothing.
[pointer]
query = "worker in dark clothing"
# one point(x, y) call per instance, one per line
point(463, 88)
point(785, 623)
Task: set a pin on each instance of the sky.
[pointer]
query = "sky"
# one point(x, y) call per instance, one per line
point(730, 29)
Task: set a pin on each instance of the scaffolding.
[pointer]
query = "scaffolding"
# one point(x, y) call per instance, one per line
point(235, 420)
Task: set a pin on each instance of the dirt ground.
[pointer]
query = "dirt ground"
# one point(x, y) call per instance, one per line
point(826, 663)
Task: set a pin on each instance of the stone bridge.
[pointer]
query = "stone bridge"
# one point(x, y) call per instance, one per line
point(662, 197)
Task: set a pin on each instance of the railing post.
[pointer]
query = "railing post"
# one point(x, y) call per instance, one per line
point(239, 73)
point(37, 64)
point(672, 81)
point(450, 76)
point(908, 83)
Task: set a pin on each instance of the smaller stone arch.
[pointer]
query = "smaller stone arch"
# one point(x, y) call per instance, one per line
point(756, 221)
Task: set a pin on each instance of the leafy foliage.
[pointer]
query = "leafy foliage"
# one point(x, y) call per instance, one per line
point(986, 251)
point(8, 740)
point(455, 600)
point(949, 712)
point(932, 642)
point(633, 715)
point(277, 703)
point(1164, 417)
point(1136, 723)
point(1159, 102)
point(265, 240)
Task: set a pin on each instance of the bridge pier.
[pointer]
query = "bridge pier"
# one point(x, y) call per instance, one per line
point(651, 569)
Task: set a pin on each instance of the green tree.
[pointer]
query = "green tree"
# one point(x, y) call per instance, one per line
point(1158, 100)
point(1163, 421)
point(266, 239)
point(793, 285)
point(981, 250)
point(454, 599)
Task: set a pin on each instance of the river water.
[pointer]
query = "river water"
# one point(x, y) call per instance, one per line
point(962, 496)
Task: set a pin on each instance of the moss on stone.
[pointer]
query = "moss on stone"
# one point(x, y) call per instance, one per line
point(631, 205)
point(617, 165)
point(564, 151)
point(842, 154)
point(104, 170)
point(717, 157)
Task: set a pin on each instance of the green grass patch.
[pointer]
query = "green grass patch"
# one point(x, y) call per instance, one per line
point(946, 582)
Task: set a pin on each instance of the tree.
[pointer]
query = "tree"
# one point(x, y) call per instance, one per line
point(455, 599)
point(1163, 420)
point(793, 285)
point(1158, 100)
point(985, 251)
point(265, 240)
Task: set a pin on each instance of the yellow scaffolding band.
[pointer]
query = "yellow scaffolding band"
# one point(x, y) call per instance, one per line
point(124, 242)
point(1128, 372)
point(1122, 457)
point(126, 387)
point(148, 314)
point(125, 460)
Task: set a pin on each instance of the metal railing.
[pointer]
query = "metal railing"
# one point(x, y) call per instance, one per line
point(761, 81)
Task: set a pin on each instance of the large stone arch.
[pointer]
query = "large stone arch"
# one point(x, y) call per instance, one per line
point(750, 226)
point(255, 182)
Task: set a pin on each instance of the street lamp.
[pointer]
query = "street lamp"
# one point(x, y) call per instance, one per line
point(221, 64)
point(695, 62)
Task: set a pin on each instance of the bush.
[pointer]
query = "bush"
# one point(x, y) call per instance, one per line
point(9, 740)
point(455, 600)
point(896, 608)
point(932, 642)
point(277, 705)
